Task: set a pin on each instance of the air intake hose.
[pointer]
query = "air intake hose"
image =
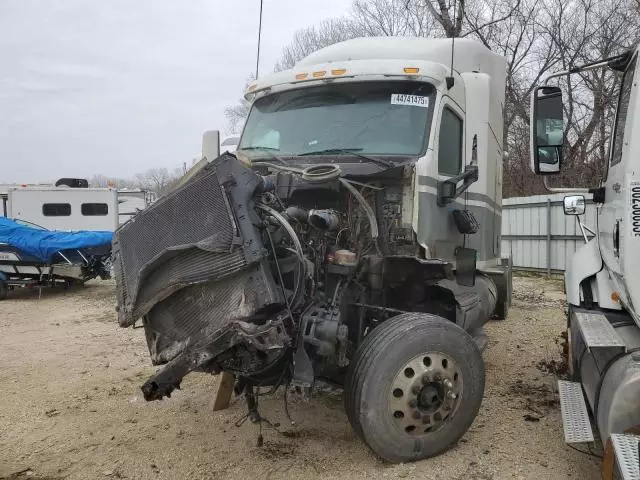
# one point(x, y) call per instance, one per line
point(326, 220)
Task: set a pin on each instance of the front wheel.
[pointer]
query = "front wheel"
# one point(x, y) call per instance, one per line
point(414, 387)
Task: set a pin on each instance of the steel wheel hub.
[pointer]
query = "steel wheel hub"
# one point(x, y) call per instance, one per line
point(425, 393)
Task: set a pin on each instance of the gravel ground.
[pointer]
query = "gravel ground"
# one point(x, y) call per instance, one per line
point(72, 408)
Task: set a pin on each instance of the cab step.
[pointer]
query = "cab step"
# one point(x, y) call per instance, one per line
point(597, 332)
point(625, 449)
point(575, 418)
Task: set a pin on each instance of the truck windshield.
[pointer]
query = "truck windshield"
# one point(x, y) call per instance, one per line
point(371, 118)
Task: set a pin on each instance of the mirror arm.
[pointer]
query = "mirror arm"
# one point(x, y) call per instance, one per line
point(469, 176)
point(594, 66)
point(588, 229)
point(584, 233)
point(545, 180)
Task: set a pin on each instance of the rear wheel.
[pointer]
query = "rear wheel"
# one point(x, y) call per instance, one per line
point(4, 290)
point(414, 387)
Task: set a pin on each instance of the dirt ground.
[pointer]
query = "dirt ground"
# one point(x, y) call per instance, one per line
point(71, 406)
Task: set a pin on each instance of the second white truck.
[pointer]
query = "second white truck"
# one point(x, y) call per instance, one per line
point(603, 279)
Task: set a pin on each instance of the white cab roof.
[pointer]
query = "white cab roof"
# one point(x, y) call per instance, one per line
point(469, 55)
point(387, 56)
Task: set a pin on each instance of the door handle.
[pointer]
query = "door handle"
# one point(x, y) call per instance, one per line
point(616, 239)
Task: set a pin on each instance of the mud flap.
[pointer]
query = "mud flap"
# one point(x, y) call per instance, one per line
point(466, 266)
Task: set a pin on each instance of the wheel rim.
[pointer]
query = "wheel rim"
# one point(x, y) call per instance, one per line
point(425, 393)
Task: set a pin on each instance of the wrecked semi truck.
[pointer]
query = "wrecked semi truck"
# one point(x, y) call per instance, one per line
point(602, 278)
point(353, 238)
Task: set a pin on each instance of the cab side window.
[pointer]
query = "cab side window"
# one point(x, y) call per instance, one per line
point(450, 143)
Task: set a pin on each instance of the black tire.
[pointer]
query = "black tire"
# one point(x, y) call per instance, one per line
point(4, 290)
point(376, 365)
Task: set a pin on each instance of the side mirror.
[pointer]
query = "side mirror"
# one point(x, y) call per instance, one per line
point(574, 205)
point(448, 189)
point(211, 144)
point(446, 192)
point(547, 130)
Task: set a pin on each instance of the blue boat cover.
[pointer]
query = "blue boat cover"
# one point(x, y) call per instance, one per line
point(44, 244)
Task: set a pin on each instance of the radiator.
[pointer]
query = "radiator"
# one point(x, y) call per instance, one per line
point(194, 261)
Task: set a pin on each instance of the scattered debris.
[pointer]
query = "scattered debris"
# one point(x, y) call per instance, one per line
point(25, 474)
point(534, 299)
point(321, 445)
point(530, 418)
point(52, 413)
point(539, 400)
point(560, 368)
point(276, 449)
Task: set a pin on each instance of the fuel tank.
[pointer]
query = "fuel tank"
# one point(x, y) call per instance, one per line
point(610, 376)
point(474, 305)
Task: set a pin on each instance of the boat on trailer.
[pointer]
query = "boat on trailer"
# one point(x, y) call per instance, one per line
point(31, 256)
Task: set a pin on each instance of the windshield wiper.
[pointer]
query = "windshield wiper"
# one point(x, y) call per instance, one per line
point(269, 151)
point(352, 151)
point(259, 148)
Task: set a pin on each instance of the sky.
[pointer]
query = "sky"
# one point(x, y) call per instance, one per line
point(119, 86)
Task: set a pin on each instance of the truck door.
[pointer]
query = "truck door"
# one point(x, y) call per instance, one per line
point(614, 219)
point(450, 161)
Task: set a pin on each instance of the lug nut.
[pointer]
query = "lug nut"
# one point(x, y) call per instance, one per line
point(452, 395)
point(413, 403)
point(415, 389)
point(447, 383)
point(425, 378)
point(416, 415)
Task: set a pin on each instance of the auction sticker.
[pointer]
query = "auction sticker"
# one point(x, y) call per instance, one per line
point(412, 100)
point(634, 193)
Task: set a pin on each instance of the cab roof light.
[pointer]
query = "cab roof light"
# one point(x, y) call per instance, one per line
point(339, 71)
point(252, 87)
point(301, 76)
point(319, 74)
point(411, 70)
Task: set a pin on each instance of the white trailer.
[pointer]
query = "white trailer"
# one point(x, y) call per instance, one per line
point(63, 208)
point(230, 144)
point(130, 202)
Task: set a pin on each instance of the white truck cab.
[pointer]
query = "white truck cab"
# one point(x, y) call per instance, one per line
point(367, 188)
point(603, 279)
point(404, 100)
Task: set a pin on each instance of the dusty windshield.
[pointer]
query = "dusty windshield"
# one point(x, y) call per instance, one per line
point(372, 118)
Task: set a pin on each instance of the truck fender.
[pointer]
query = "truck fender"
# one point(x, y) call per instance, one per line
point(586, 262)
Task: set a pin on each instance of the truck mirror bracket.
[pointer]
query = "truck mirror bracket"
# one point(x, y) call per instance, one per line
point(448, 190)
point(598, 194)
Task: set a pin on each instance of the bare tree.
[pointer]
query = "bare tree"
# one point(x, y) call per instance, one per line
point(104, 181)
point(237, 114)
point(372, 18)
point(305, 41)
point(158, 180)
point(581, 32)
point(537, 37)
point(308, 40)
point(99, 181)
